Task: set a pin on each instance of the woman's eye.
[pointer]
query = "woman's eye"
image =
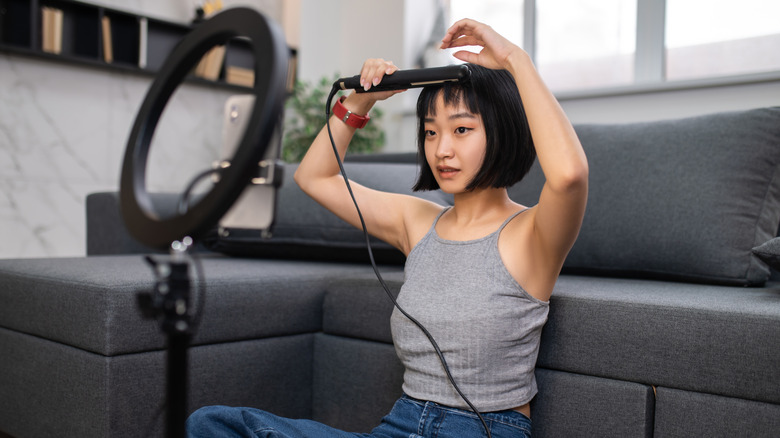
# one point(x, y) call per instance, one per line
point(461, 130)
point(429, 133)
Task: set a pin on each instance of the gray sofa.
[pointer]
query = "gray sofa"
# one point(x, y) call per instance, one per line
point(665, 322)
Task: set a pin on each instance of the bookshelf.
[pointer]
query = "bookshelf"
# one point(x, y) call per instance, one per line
point(81, 33)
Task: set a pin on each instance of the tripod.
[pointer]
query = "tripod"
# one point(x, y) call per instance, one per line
point(169, 302)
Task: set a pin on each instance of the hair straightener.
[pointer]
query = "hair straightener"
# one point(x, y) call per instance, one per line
point(405, 79)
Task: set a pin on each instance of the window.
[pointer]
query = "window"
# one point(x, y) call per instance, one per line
point(505, 16)
point(579, 43)
point(585, 43)
point(706, 38)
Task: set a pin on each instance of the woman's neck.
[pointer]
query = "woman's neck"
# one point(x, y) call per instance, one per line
point(479, 205)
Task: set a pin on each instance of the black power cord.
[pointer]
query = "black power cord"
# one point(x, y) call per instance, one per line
point(419, 325)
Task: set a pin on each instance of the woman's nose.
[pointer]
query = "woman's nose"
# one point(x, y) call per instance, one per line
point(444, 148)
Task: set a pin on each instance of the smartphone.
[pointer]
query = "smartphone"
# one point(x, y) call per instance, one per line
point(256, 206)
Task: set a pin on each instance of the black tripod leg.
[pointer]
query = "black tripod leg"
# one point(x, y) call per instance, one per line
point(177, 384)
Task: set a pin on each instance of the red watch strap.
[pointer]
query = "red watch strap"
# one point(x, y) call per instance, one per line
point(347, 116)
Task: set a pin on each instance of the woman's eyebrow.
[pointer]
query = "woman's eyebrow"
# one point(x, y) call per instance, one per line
point(463, 115)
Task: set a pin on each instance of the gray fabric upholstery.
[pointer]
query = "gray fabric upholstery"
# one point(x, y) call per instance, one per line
point(685, 336)
point(684, 199)
point(383, 157)
point(273, 373)
point(355, 382)
point(769, 252)
point(90, 303)
point(358, 307)
point(106, 234)
point(50, 389)
point(69, 392)
point(571, 405)
point(683, 414)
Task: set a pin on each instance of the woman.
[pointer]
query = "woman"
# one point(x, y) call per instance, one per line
point(478, 274)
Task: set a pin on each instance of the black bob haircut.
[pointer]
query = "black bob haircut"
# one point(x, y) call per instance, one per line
point(509, 152)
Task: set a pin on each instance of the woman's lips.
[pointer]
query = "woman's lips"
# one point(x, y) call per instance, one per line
point(446, 171)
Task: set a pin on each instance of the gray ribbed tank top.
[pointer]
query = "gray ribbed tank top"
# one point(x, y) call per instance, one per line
point(485, 323)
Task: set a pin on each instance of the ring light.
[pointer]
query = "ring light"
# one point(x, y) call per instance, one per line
point(271, 57)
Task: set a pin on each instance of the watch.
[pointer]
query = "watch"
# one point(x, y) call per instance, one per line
point(347, 116)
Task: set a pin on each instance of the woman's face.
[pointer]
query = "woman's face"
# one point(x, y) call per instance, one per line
point(455, 144)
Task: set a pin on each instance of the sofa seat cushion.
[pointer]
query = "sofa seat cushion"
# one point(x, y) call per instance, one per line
point(575, 405)
point(90, 303)
point(687, 414)
point(711, 339)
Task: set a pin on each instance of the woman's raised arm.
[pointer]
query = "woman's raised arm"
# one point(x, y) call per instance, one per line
point(318, 175)
point(559, 214)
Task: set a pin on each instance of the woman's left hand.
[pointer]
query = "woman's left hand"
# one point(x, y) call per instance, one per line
point(496, 50)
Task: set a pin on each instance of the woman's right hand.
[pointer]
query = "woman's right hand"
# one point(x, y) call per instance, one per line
point(371, 74)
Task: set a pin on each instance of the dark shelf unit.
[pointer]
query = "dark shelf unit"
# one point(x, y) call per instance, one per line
point(138, 44)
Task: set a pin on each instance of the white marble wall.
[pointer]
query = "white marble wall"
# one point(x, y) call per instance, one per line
point(63, 131)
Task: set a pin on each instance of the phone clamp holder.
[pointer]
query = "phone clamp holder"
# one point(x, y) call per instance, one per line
point(269, 172)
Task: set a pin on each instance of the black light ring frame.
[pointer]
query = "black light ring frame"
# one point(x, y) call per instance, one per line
point(271, 59)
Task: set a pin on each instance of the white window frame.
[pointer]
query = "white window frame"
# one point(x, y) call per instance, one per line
point(649, 58)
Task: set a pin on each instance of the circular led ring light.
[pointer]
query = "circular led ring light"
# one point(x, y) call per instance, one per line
point(271, 57)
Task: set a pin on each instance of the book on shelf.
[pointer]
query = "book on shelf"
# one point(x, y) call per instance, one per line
point(240, 76)
point(292, 74)
point(51, 28)
point(143, 32)
point(108, 46)
point(210, 65)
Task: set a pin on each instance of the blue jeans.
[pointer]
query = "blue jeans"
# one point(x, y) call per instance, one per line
point(409, 418)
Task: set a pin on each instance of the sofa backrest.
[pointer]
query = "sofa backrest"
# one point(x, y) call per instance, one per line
point(684, 199)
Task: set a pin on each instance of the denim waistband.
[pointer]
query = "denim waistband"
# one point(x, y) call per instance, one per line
point(509, 416)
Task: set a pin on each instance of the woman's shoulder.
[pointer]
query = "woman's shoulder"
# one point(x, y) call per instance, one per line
point(419, 220)
point(519, 251)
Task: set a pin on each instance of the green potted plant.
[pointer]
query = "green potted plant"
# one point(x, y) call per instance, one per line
point(305, 116)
